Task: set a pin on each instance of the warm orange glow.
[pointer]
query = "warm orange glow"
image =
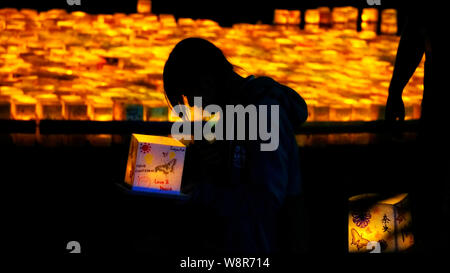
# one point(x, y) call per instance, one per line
point(74, 108)
point(109, 67)
point(325, 15)
point(389, 21)
point(49, 107)
point(343, 15)
point(369, 15)
point(155, 163)
point(389, 16)
point(23, 107)
point(100, 108)
point(312, 16)
point(144, 6)
point(158, 140)
point(286, 17)
point(383, 227)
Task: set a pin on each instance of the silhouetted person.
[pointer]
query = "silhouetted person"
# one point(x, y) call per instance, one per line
point(239, 191)
point(425, 33)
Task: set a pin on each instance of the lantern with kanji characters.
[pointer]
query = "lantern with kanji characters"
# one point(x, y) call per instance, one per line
point(155, 164)
point(379, 226)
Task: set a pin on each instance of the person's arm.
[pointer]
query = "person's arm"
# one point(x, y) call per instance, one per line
point(409, 54)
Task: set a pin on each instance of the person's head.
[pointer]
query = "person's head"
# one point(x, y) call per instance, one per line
point(197, 68)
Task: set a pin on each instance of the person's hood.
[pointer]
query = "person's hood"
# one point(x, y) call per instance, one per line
point(261, 90)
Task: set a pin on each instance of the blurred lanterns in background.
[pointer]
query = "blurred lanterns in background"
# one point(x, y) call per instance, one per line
point(389, 21)
point(287, 17)
point(49, 107)
point(281, 16)
point(74, 107)
point(100, 108)
point(369, 19)
point(325, 16)
point(144, 6)
point(78, 66)
point(369, 15)
point(312, 16)
point(343, 15)
point(23, 107)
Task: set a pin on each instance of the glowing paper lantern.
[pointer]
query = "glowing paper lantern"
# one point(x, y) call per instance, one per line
point(186, 22)
point(352, 14)
point(155, 164)
point(144, 6)
point(325, 15)
point(74, 108)
point(312, 16)
point(167, 20)
point(341, 113)
point(49, 107)
point(2, 23)
point(369, 15)
point(342, 15)
point(100, 108)
point(321, 112)
point(280, 16)
point(361, 110)
point(294, 17)
point(369, 27)
point(284, 16)
point(24, 107)
point(389, 21)
point(382, 227)
point(389, 16)
point(339, 15)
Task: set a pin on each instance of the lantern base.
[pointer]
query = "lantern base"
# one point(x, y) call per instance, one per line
point(127, 189)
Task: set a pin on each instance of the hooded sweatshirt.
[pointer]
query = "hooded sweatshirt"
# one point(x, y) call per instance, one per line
point(247, 208)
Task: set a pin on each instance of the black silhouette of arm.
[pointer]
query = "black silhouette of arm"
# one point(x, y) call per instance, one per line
point(409, 54)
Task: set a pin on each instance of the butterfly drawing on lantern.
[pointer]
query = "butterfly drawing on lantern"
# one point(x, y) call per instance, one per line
point(361, 218)
point(358, 240)
point(166, 168)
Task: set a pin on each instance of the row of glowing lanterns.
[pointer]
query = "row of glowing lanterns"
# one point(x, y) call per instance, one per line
point(78, 66)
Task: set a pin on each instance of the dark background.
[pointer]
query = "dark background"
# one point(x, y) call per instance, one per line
point(69, 192)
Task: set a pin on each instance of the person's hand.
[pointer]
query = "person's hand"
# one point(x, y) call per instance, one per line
point(395, 109)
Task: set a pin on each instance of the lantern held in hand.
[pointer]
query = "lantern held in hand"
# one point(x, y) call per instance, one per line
point(155, 164)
